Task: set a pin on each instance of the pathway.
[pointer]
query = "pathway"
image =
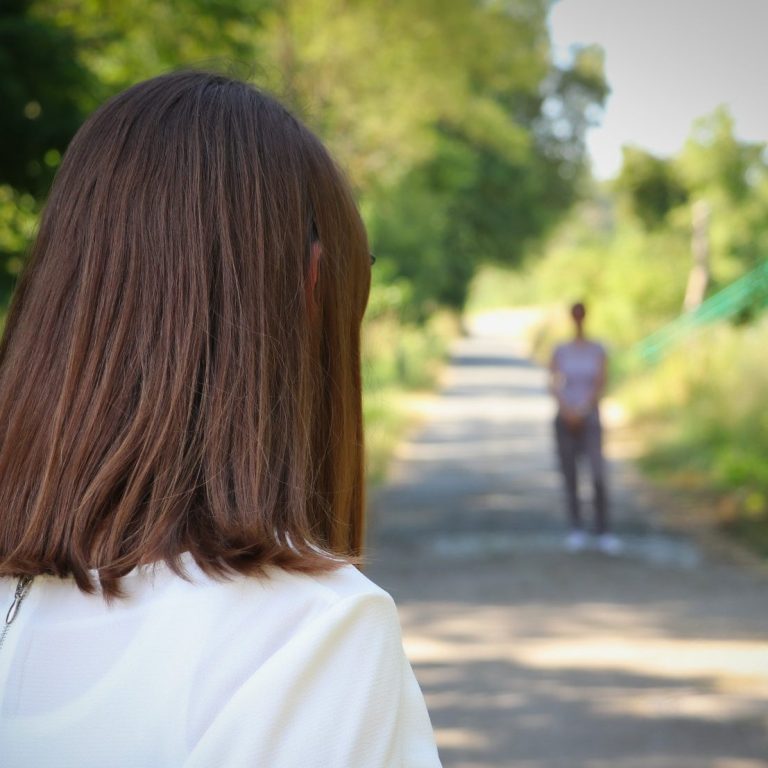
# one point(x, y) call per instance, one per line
point(534, 658)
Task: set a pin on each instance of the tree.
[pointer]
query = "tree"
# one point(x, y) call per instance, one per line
point(650, 186)
point(480, 140)
point(44, 95)
point(41, 90)
point(463, 141)
point(731, 177)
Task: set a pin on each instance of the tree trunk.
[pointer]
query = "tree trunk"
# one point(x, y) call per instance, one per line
point(698, 279)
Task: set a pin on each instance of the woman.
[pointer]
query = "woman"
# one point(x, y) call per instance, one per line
point(578, 374)
point(181, 477)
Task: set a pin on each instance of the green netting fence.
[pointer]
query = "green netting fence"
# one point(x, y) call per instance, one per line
point(748, 293)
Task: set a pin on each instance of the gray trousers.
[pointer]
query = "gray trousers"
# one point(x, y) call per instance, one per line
point(571, 446)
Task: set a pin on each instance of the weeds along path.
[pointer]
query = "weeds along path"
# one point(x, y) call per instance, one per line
point(534, 658)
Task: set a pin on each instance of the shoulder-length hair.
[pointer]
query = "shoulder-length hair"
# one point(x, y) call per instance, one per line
point(165, 384)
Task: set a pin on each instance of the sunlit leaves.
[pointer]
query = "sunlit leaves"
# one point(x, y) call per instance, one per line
point(462, 140)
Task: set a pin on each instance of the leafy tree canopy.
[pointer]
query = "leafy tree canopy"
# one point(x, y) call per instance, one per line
point(650, 186)
point(465, 143)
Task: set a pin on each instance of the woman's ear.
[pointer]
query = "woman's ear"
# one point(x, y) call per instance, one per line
point(314, 271)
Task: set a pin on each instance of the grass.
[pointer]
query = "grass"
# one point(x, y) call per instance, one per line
point(703, 410)
point(400, 361)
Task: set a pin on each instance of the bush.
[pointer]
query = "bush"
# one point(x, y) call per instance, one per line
point(705, 403)
point(399, 358)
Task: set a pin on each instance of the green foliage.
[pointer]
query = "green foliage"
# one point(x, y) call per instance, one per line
point(463, 141)
point(626, 249)
point(405, 355)
point(631, 280)
point(705, 406)
point(399, 359)
point(731, 176)
point(42, 95)
point(123, 42)
point(18, 217)
point(715, 163)
point(650, 186)
point(41, 92)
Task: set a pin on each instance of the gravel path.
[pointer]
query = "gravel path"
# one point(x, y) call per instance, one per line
point(534, 658)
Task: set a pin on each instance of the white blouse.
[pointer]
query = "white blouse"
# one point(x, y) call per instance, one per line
point(284, 671)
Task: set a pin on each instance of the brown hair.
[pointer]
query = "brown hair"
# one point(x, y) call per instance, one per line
point(165, 385)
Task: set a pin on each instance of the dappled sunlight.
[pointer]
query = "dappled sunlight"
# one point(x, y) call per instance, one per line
point(537, 684)
point(665, 760)
point(461, 738)
point(652, 656)
point(690, 703)
point(456, 451)
point(487, 634)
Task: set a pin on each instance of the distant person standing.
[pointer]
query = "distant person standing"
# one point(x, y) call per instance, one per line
point(578, 376)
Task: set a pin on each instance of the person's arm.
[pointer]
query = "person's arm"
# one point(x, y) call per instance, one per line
point(339, 693)
point(600, 380)
point(556, 381)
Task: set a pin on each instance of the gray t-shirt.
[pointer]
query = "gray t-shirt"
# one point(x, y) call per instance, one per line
point(577, 366)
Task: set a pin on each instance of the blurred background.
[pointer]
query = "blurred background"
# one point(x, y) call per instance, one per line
point(503, 153)
point(509, 157)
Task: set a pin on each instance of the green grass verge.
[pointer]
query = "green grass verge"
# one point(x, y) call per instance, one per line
point(703, 411)
point(399, 361)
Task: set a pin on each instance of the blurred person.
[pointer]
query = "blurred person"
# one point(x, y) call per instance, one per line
point(577, 381)
point(181, 468)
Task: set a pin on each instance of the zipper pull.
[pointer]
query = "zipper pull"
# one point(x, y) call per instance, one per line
point(21, 592)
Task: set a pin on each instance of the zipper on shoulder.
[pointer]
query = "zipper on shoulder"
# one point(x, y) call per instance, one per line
point(22, 589)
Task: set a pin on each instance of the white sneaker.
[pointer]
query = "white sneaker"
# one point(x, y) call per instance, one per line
point(609, 544)
point(576, 541)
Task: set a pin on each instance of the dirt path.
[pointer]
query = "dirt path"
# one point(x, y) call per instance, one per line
point(534, 658)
